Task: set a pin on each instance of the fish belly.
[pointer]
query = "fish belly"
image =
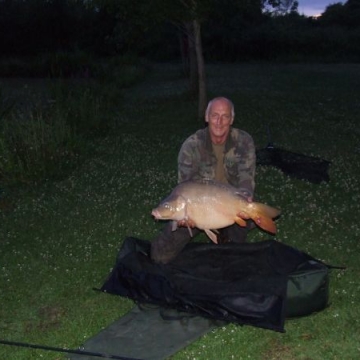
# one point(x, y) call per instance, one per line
point(210, 217)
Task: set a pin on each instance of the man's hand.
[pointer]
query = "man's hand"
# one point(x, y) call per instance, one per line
point(246, 195)
point(186, 223)
point(243, 215)
point(249, 199)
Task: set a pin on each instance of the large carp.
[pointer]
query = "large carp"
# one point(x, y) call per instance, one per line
point(210, 205)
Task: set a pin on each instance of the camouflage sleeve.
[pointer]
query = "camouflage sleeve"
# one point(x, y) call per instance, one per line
point(187, 163)
point(247, 168)
point(242, 170)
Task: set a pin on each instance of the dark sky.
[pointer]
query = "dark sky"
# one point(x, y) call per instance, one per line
point(314, 7)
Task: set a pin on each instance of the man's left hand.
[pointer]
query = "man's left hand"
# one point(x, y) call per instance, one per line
point(245, 194)
point(243, 215)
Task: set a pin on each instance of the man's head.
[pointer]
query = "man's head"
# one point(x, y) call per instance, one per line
point(220, 116)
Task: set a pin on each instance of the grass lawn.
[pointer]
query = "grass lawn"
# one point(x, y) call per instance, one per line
point(60, 239)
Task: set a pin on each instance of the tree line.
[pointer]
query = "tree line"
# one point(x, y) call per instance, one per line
point(231, 30)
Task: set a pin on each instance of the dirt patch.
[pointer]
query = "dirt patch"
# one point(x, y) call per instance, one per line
point(49, 317)
point(278, 351)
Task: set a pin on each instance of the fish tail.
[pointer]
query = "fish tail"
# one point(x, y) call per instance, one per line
point(263, 217)
point(266, 210)
point(265, 223)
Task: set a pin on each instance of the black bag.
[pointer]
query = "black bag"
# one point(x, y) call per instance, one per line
point(257, 284)
point(300, 166)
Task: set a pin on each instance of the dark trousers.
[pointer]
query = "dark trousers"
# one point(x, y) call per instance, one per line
point(168, 244)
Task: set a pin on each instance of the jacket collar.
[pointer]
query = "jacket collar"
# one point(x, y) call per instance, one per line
point(229, 143)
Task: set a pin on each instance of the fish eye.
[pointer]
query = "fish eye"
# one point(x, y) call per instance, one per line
point(166, 205)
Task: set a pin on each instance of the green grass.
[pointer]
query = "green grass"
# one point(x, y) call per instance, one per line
point(46, 130)
point(60, 239)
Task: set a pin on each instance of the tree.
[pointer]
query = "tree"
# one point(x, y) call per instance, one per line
point(198, 11)
point(352, 13)
point(190, 14)
point(333, 15)
point(281, 7)
point(192, 26)
point(137, 17)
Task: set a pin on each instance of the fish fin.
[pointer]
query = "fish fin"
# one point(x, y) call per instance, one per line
point(174, 225)
point(263, 216)
point(211, 235)
point(240, 221)
point(265, 223)
point(266, 210)
point(187, 223)
point(189, 228)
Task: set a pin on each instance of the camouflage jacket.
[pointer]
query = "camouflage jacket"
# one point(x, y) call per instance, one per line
point(197, 160)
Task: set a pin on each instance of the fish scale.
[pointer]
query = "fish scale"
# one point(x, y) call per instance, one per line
point(210, 206)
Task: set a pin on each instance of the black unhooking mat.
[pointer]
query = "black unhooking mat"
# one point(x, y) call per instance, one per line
point(147, 332)
point(258, 284)
point(207, 286)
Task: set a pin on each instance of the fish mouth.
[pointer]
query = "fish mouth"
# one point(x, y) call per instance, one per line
point(156, 214)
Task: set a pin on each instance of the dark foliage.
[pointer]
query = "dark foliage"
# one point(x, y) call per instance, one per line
point(231, 32)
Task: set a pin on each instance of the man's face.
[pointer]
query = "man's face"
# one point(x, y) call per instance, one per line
point(219, 119)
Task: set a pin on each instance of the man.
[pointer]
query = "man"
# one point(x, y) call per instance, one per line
point(218, 152)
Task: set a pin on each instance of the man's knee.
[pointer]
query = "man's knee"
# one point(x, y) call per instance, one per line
point(233, 233)
point(159, 254)
point(168, 244)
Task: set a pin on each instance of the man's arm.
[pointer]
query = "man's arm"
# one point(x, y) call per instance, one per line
point(187, 164)
point(247, 168)
point(242, 164)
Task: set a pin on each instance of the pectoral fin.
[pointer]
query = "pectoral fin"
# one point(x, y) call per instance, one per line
point(174, 225)
point(211, 235)
point(190, 232)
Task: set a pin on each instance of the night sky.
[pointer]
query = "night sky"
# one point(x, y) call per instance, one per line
point(314, 7)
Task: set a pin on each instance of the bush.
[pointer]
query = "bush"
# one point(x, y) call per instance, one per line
point(76, 64)
point(6, 106)
point(123, 71)
point(83, 107)
point(50, 140)
point(63, 64)
point(35, 147)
